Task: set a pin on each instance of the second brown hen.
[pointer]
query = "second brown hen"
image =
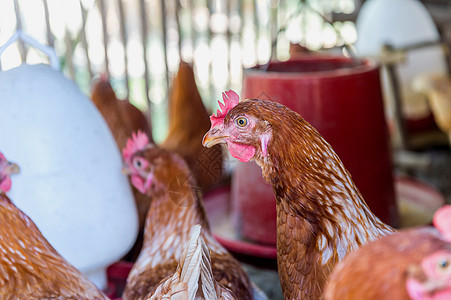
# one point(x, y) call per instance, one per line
point(176, 207)
point(412, 264)
point(188, 122)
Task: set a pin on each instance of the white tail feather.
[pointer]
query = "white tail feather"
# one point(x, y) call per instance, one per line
point(196, 266)
point(191, 261)
point(206, 274)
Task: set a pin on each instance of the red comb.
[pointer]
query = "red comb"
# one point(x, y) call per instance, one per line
point(231, 99)
point(137, 142)
point(442, 221)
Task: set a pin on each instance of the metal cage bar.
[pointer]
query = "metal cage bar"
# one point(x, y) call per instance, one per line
point(144, 34)
point(124, 40)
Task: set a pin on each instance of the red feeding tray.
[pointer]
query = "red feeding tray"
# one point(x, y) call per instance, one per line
point(117, 276)
point(417, 202)
point(218, 206)
point(110, 290)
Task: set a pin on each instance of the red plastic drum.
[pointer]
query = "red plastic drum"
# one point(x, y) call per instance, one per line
point(343, 101)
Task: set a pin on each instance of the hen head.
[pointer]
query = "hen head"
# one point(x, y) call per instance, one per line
point(241, 127)
point(431, 279)
point(6, 168)
point(150, 167)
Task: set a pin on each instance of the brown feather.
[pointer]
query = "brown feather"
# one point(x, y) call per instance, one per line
point(321, 215)
point(30, 268)
point(188, 121)
point(175, 207)
point(378, 270)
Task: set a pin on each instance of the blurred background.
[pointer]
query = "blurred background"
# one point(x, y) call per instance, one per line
point(139, 44)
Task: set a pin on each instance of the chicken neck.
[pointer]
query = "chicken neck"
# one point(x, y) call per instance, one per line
point(174, 209)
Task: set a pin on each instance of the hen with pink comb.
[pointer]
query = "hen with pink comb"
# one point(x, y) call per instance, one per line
point(431, 279)
point(137, 142)
point(412, 264)
point(175, 208)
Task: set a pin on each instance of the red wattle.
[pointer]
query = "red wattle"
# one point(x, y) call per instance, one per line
point(138, 183)
point(243, 153)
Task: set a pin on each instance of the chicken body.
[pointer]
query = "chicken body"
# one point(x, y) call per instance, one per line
point(188, 122)
point(412, 264)
point(175, 207)
point(321, 215)
point(193, 270)
point(30, 268)
point(122, 118)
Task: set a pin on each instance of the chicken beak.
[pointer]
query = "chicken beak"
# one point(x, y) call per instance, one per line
point(213, 137)
point(12, 168)
point(126, 170)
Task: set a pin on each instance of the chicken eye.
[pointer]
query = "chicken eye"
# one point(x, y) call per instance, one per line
point(443, 265)
point(241, 121)
point(138, 163)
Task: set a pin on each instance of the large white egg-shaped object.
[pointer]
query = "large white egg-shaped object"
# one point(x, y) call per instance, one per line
point(70, 183)
point(401, 23)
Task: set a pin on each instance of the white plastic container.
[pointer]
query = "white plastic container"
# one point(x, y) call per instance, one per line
point(70, 182)
point(401, 23)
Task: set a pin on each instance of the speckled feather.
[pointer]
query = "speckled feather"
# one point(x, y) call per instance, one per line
point(175, 207)
point(411, 264)
point(29, 266)
point(193, 278)
point(379, 269)
point(321, 215)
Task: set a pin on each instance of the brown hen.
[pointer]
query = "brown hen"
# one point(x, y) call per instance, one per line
point(30, 268)
point(175, 208)
point(122, 118)
point(188, 122)
point(321, 215)
point(412, 264)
